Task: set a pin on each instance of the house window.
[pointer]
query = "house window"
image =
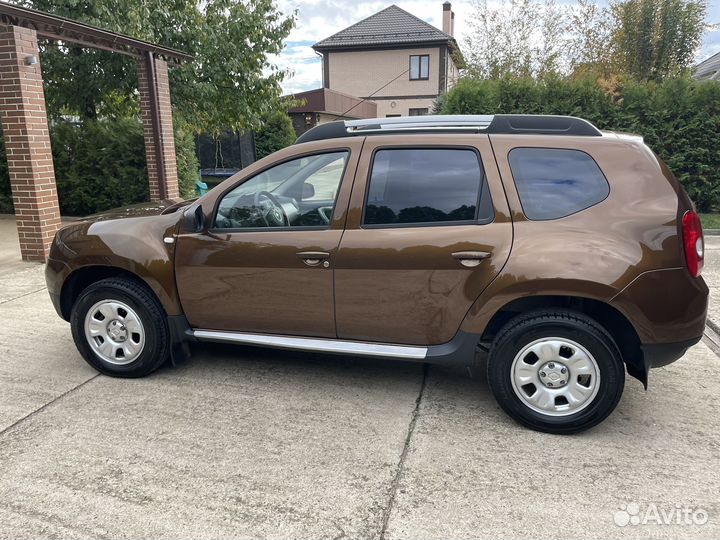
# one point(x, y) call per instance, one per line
point(392, 115)
point(419, 112)
point(419, 67)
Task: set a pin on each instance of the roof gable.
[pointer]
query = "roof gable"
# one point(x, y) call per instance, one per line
point(391, 26)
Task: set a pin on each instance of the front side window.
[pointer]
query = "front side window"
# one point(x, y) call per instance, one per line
point(553, 183)
point(297, 193)
point(424, 186)
point(419, 67)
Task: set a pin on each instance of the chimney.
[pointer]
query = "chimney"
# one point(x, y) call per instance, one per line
point(448, 21)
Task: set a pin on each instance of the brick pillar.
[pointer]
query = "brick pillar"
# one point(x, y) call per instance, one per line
point(161, 166)
point(27, 142)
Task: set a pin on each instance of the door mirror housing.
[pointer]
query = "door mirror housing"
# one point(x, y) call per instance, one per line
point(194, 219)
point(308, 191)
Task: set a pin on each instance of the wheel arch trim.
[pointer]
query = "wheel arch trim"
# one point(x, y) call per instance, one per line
point(79, 278)
point(611, 317)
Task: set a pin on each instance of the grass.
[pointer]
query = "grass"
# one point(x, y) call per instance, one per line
point(710, 221)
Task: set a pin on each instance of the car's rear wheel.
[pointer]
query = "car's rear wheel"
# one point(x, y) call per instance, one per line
point(556, 371)
point(120, 328)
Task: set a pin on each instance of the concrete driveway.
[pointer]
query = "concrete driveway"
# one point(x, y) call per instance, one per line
point(251, 443)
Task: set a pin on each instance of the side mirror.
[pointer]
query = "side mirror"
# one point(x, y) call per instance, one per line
point(194, 219)
point(308, 191)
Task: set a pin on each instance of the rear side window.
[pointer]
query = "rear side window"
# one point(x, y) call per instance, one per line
point(554, 183)
point(426, 186)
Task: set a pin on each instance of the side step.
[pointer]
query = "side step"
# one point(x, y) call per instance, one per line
point(360, 348)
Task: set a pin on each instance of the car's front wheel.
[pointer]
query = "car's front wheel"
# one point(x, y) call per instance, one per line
point(556, 371)
point(120, 329)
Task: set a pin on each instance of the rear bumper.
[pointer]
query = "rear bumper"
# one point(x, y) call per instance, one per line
point(668, 309)
point(661, 354)
point(655, 355)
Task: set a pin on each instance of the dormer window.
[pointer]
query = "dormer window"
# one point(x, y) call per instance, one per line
point(419, 67)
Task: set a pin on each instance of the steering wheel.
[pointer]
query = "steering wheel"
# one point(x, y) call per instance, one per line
point(325, 213)
point(274, 216)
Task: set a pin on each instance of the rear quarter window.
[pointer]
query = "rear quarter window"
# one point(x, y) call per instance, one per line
point(553, 183)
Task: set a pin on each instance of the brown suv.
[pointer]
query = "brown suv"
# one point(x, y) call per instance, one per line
point(565, 253)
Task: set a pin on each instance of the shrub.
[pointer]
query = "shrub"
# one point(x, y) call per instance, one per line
point(188, 167)
point(275, 134)
point(678, 118)
point(100, 164)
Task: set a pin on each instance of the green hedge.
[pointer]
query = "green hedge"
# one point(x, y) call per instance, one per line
point(678, 118)
point(275, 134)
point(101, 165)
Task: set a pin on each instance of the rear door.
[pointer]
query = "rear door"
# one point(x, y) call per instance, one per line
point(428, 229)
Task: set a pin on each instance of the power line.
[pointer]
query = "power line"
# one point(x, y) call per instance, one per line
point(371, 95)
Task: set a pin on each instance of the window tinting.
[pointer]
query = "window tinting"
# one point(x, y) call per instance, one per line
point(423, 186)
point(554, 183)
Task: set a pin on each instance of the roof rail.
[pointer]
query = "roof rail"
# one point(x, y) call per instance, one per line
point(515, 124)
point(421, 123)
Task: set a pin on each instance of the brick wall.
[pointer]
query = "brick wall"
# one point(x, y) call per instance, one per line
point(27, 143)
point(166, 131)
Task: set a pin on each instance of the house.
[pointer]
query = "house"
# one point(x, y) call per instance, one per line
point(394, 59)
point(708, 69)
point(324, 105)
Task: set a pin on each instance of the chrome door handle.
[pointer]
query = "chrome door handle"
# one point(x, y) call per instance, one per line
point(470, 259)
point(314, 258)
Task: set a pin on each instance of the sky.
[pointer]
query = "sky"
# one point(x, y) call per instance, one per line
point(318, 19)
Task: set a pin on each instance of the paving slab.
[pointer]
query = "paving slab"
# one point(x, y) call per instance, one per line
point(20, 281)
point(471, 472)
point(10, 246)
point(711, 274)
point(238, 443)
point(38, 359)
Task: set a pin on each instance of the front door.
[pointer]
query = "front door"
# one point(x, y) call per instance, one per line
point(265, 262)
point(428, 229)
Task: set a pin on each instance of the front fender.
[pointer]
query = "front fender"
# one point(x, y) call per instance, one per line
point(135, 245)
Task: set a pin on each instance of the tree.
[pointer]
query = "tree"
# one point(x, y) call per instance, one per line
point(588, 48)
point(229, 84)
point(643, 39)
point(654, 39)
point(534, 38)
point(275, 133)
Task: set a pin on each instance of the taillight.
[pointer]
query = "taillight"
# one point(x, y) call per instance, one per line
point(693, 242)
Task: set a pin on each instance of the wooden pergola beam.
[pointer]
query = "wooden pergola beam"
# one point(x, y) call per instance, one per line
point(64, 29)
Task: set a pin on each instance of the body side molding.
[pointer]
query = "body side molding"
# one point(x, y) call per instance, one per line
point(408, 352)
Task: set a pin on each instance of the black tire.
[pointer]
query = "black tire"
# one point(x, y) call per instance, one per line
point(524, 330)
point(156, 348)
